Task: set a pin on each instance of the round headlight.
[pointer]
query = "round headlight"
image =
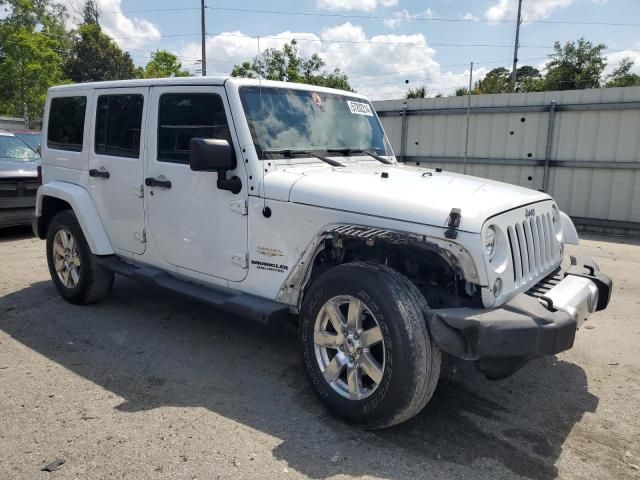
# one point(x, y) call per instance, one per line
point(490, 242)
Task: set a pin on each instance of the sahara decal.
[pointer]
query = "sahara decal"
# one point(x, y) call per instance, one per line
point(269, 252)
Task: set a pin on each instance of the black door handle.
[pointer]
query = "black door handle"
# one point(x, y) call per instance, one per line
point(153, 182)
point(99, 173)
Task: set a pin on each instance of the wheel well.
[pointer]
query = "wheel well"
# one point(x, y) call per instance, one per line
point(440, 281)
point(50, 207)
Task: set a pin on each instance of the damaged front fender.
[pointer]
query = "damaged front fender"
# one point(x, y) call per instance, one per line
point(453, 253)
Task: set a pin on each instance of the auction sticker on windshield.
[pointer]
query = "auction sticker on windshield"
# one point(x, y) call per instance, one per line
point(359, 108)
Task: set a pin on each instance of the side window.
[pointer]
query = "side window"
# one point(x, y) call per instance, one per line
point(183, 116)
point(118, 124)
point(66, 123)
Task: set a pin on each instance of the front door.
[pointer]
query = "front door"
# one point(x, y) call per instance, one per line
point(116, 164)
point(194, 224)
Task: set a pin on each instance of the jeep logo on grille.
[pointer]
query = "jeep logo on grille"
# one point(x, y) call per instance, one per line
point(529, 212)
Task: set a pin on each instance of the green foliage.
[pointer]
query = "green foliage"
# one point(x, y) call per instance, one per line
point(32, 50)
point(574, 66)
point(287, 65)
point(622, 76)
point(418, 92)
point(93, 55)
point(163, 64)
point(497, 80)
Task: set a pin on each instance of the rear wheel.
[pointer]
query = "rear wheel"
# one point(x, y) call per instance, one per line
point(366, 347)
point(73, 268)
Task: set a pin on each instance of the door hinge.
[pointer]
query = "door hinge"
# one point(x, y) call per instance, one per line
point(239, 206)
point(240, 259)
point(138, 190)
point(140, 236)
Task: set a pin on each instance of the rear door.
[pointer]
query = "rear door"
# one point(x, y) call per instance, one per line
point(116, 164)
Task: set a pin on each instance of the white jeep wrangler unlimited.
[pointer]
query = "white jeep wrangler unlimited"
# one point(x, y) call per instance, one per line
point(268, 199)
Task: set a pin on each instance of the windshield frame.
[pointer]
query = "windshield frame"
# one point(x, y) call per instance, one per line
point(264, 154)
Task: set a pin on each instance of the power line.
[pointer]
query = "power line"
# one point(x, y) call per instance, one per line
point(417, 18)
point(372, 42)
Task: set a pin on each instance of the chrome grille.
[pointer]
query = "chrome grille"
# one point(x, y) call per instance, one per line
point(534, 247)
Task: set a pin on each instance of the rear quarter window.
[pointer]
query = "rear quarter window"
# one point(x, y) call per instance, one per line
point(66, 123)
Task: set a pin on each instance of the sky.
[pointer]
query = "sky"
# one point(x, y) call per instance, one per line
point(384, 46)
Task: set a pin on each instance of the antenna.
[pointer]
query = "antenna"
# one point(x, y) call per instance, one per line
point(266, 211)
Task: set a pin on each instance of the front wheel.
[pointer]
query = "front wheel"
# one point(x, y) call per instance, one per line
point(366, 347)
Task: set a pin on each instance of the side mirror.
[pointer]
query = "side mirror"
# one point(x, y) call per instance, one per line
point(213, 155)
point(210, 155)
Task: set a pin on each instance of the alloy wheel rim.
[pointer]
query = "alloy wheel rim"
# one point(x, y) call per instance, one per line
point(66, 258)
point(349, 347)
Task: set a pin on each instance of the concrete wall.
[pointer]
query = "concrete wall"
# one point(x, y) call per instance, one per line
point(585, 151)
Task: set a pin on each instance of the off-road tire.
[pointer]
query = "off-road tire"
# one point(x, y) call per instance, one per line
point(412, 365)
point(94, 281)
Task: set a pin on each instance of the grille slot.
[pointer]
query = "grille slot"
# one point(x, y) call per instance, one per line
point(533, 246)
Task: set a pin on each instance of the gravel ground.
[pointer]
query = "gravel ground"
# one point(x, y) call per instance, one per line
point(148, 385)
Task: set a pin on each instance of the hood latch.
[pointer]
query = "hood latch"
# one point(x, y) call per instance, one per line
point(453, 223)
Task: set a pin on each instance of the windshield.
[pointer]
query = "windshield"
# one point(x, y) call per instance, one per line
point(307, 120)
point(31, 139)
point(11, 148)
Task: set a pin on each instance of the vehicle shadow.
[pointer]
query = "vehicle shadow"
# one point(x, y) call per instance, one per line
point(155, 349)
point(10, 234)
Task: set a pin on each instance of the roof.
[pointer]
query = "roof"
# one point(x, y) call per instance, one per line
point(194, 81)
point(143, 83)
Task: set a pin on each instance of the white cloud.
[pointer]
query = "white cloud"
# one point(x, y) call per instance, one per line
point(361, 5)
point(613, 60)
point(377, 66)
point(531, 10)
point(403, 16)
point(470, 16)
point(128, 32)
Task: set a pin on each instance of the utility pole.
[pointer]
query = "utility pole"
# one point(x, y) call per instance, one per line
point(514, 75)
point(466, 139)
point(204, 39)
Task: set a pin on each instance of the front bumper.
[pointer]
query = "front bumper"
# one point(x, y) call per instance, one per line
point(542, 321)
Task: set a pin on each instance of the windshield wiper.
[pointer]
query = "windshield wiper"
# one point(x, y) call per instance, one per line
point(351, 151)
point(289, 153)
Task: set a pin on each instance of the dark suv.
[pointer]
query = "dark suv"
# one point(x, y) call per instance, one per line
point(18, 180)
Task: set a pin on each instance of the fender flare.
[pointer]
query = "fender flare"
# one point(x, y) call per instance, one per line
point(569, 231)
point(84, 209)
point(291, 291)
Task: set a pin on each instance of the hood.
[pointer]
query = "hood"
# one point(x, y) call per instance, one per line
point(14, 169)
point(401, 192)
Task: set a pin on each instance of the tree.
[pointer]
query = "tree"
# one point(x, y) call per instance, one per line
point(33, 43)
point(287, 65)
point(497, 80)
point(94, 56)
point(418, 92)
point(622, 76)
point(164, 64)
point(576, 65)
point(527, 71)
